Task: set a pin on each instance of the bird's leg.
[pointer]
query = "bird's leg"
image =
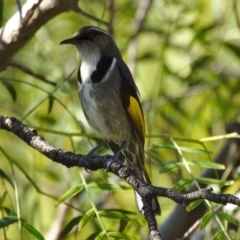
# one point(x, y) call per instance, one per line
point(115, 155)
point(91, 153)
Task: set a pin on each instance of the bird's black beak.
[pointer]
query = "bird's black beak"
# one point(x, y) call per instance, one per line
point(72, 40)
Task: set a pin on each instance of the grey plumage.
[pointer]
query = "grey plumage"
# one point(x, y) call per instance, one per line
point(109, 98)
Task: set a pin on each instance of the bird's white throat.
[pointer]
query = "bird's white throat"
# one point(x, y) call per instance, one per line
point(87, 67)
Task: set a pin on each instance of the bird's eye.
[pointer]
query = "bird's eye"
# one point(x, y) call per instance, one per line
point(91, 35)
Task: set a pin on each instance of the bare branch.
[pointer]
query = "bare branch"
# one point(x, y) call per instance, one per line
point(145, 190)
point(138, 21)
point(17, 32)
point(31, 73)
point(79, 10)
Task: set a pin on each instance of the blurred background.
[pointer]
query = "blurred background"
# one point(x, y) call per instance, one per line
point(184, 56)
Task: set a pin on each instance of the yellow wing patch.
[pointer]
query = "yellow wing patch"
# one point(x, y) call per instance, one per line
point(136, 115)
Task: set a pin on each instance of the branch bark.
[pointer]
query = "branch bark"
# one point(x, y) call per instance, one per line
point(18, 31)
point(94, 162)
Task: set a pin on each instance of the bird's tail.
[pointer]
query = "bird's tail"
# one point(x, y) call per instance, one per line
point(135, 158)
point(155, 204)
point(141, 173)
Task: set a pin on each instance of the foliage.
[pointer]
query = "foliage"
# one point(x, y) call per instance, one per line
point(188, 76)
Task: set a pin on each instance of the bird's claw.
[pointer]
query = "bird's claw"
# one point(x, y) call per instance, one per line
point(114, 158)
point(91, 153)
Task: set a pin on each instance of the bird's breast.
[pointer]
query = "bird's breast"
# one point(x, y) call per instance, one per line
point(103, 109)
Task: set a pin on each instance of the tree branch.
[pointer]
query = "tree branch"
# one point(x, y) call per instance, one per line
point(31, 73)
point(17, 32)
point(138, 21)
point(145, 190)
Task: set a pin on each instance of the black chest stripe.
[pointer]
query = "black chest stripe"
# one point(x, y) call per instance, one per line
point(101, 70)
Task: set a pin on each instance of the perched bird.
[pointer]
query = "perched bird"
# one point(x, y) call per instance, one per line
point(109, 99)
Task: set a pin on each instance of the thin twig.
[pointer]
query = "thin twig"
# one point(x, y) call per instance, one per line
point(31, 73)
point(138, 21)
point(111, 7)
point(79, 10)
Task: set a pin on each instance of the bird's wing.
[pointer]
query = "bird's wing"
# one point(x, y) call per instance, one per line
point(130, 99)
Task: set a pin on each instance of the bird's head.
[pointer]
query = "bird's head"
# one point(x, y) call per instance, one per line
point(93, 42)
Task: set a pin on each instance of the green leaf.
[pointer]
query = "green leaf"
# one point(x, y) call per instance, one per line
point(117, 235)
point(120, 214)
point(228, 218)
point(219, 235)
point(182, 184)
point(206, 219)
point(67, 229)
point(50, 103)
point(147, 55)
point(233, 48)
point(11, 90)
point(101, 235)
point(9, 211)
point(86, 218)
point(206, 164)
point(108, 186)
point(170, 167)
point(70, 193)
point(33, 231)
point(173, 166)
point(183, 149)
point(3, 198)
point(6, 221)
point(193, 205)
point(5, 176)
point(214, 181)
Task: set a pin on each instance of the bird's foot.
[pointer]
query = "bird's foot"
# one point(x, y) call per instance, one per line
point(115, 157)
point(91, 153)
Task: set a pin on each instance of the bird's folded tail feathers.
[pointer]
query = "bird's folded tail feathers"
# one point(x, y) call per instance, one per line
point(155, 204)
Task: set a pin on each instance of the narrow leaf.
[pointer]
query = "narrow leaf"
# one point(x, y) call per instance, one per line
point(86, 218)
point(119, 214)
point(233, 48)
point(219, 235)
point(6, 221)
point(3, 198)
point(11, 90)
point(50, 103)
point(70, 193)
point(33, 231)
point(214, 181)
point(117, 235)
point(228, 218)
point(182, 184)
point(5, 176)
point(108, 186)
point(101, 235)
point(183, 149)
point(193, 205)
point(206, 219)
point(170, 167)
point(68, 228)
point(207, 164)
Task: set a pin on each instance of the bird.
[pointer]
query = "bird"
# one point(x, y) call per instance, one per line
point(110, 100)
